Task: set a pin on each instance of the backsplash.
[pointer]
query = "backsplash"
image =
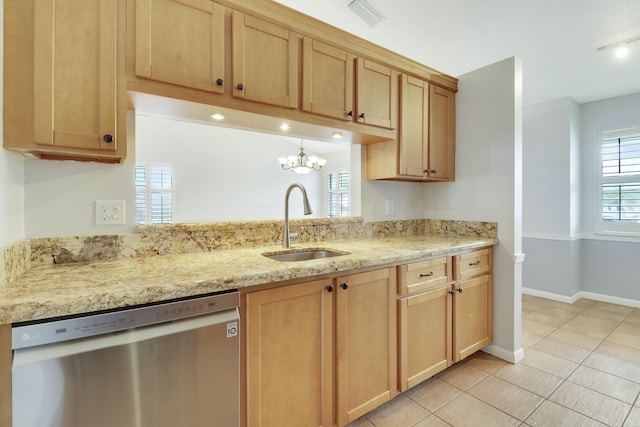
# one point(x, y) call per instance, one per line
point(151, 240)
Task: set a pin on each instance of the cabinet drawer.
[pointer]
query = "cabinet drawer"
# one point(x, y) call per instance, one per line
point(473, 264)
point(422, 275)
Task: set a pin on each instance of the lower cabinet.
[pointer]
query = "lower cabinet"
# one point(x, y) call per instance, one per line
point(443, 323)
point(321, 353)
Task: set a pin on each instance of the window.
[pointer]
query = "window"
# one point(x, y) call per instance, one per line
point(338, 194)
point(619, 182)
point(154, 193)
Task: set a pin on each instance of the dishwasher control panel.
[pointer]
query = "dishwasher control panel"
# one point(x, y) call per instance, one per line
point(56, 330)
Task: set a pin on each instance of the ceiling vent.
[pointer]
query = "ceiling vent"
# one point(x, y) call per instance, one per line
point(365, 11)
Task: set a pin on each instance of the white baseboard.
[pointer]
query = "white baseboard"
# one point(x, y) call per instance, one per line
point(509, 356)
point(582, 294)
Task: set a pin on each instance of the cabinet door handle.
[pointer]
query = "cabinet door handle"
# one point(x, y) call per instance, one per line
point(107, 138)
point(240, 86)
point(459, 290)
point(219, 82)
point(433, 171)
point(475, 263)
point(427, 275)
point(361, 116)
point(350, 114)
point(345, 285)
point(330, 288)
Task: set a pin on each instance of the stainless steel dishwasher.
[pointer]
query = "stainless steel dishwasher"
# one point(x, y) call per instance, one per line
point(170, 364)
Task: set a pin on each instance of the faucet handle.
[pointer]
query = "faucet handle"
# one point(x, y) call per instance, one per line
point(294, 236)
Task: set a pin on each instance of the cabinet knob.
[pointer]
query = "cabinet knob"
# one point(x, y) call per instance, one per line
point(361, 116)
point(433, 171)
point(330, 288)
point(240, 86)
point(107, 138)
point(460, 290)
point(344, 285)
point(350, 114)
point(451, 292)
point(219, 82)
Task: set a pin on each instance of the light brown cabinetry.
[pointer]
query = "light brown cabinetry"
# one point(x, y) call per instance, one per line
point(181, 42)
point(295, 376)
point(64, 79)
point(425, 149)
point(330, 86)
point(265, 61)
point(443, 319)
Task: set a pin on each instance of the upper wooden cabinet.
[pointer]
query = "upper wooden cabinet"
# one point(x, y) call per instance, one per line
point(330, 86)
point(425, 149)
point(64, 67)
point(181, 42)
point(265, 61)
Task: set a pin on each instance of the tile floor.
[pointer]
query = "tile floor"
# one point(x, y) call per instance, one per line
point(581, 368)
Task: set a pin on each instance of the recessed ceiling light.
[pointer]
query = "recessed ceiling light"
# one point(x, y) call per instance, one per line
point(336, 135)
point(284, 126)
point(365, 11)
point(217, 116)
point(622, 51)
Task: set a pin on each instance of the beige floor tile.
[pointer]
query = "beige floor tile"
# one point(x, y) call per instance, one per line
point(509, 398)
point(360, 422)
point(633, 317)
point(433, 393)
point(625, 339)
point(401, 411)
point(462, 375)
point(432, 421)
point(610, 385)
point(618, 351)
point(583, 303)
point(605, 409)
point(566, 312)
point(537, 327)
point(529, 378)
point(529, 339)
point(633, 420)
point(546, 319)
point(609, 311)
point(485, 362)
point(467, 411)
point(613, 366)
point(551, 414)
point(576, 338)
point(592, 326)
point(549, 363)
point(629, 328)
point(562, 349)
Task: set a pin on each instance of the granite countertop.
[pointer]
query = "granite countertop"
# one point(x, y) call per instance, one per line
point(57, 290)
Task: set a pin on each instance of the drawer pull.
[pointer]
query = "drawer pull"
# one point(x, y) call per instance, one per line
point(427, 275)
point(475, 263)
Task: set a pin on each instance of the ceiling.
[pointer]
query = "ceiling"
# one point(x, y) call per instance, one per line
point(556, 40)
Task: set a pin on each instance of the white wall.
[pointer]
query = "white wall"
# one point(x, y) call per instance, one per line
point(488, 184)
point(11, 178)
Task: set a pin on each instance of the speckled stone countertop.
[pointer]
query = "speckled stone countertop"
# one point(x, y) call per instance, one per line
point(46, 291)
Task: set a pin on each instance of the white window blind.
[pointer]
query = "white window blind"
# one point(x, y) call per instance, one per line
point(338, 194)
point(619, 183)
point(154, 193)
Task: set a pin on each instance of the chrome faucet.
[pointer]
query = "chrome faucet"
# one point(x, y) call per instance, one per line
point(286, 237)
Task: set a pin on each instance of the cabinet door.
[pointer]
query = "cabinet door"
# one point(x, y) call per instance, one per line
point(442, 129)
point(366, 342)
point(377, 92)
point(290, 356)
point(472, 316)
point(181, 42)
point(327, 80)
point(265, 62)
point(414, 127)
point(76, 67)
point(425, 335)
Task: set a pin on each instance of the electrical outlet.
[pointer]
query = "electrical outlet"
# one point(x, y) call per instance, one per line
point(390, 207)
point(109, 212)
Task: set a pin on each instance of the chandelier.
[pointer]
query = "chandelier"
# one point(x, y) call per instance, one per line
point(302, 164)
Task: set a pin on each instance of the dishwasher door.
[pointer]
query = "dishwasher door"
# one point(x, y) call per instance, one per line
point(183, 373)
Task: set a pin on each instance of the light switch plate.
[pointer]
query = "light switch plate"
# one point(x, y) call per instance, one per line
point(109, 212)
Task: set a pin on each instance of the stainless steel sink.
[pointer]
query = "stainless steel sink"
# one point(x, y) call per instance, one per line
point(306, 254)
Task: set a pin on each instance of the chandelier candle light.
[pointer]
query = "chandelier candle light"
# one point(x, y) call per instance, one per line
point(302, 164)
